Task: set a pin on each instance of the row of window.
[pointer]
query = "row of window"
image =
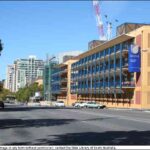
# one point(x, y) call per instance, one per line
point(103, 53)
point(95, 69)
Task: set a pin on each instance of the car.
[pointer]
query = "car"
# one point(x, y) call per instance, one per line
point(59, 104)
point(80, 104)
point(94, 105)
point(2, 104)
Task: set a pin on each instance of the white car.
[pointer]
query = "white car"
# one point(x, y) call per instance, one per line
point(59, 104)
point(94, 105)
point(80, 104)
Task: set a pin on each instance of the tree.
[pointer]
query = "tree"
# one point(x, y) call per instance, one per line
point(4, 93)
point(25, 93)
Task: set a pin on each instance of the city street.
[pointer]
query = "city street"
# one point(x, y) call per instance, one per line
point(22, 125)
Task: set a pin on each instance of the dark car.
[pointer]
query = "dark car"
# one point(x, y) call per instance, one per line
point(2, 104)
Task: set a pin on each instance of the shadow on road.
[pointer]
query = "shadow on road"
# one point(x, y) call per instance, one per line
point(92, 138)
point(19, 123)
point(26, 108)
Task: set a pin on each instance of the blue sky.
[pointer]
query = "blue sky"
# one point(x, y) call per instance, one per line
point(36, 27)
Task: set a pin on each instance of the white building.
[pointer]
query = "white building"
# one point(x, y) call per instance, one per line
point(25, 72)
point(10, 78)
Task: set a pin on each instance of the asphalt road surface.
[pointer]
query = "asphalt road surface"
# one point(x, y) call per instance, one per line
point(21, 125)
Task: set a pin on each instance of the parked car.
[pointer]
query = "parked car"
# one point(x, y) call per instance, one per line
point(2, 104)
point(94, 105)
point(59, 104)
point(80, 104)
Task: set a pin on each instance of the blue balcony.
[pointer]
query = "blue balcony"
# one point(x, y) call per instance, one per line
point(117, 84)
point(128, 83)
point(111, 84)
point(118, 65)
point(111, 66)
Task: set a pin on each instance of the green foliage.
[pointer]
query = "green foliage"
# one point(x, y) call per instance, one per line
point(25, 93)
point(4, 93)
point(1, 86)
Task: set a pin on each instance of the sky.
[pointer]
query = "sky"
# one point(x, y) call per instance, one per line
point(41, 27)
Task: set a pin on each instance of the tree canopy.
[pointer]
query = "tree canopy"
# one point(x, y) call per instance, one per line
point(25, 93)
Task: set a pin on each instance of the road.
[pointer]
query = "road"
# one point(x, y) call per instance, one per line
point(20, 125)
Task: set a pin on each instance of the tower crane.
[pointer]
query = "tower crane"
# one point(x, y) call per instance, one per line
point(99, 20)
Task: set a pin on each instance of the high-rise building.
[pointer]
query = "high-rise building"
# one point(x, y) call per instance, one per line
point(25, 72)
point(10, 79)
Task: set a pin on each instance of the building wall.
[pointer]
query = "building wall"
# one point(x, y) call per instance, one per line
point(141, 89)
point(47, 78)
point(70, 98)
point(10, 78)
point(62, 92)
point(25, 71)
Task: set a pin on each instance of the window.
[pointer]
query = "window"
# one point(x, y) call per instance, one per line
point(117, 47)
point(93, 56)
point(89, 58)
point(102, 53)
point(124, 45)
point(97, 55)
point(106, 51)
point(111, 49)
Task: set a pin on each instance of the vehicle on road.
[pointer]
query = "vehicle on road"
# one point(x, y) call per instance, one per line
point(33, 104)
point(94, 105)
point(59, 104)
point(2, 104)
point(80, 104)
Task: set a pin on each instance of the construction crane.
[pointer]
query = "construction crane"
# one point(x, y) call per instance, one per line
point(99, 20)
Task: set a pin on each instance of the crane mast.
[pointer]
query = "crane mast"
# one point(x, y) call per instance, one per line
point(99, 20)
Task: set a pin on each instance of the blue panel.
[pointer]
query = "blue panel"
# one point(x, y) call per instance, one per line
point(134, 58)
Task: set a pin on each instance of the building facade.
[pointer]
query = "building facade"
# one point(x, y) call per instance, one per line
point(61, 82)
point(10, 79)
point(49, 67)
point(103, 73)
point(25, 72)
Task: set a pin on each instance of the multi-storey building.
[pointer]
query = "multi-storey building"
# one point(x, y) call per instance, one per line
point(117, 72)
point(61, 82)
point(25, 71)
point(10, 79)
point(28, 70)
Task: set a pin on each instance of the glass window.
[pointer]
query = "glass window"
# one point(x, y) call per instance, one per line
point(106, 51)
point(117, 47)
point(111, 49)
point(89, 58)
point(97, 55)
